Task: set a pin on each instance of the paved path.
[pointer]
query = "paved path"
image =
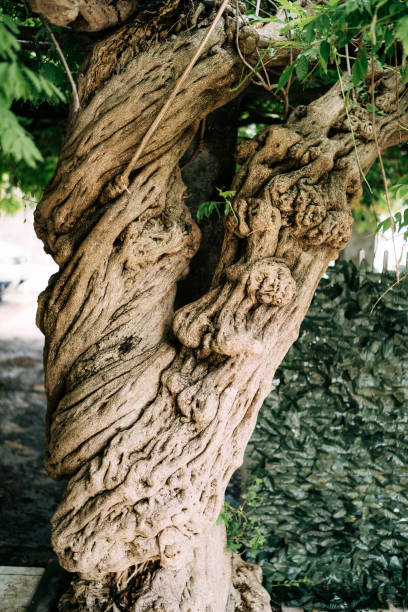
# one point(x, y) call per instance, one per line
point(28, 496)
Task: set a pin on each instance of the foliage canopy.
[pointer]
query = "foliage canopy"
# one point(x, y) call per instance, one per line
point(333, 39)
point(34, 90)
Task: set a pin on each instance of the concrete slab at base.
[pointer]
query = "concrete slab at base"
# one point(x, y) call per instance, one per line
point(17, 587)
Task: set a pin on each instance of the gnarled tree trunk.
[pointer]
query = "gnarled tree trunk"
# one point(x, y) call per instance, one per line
point(150, 410)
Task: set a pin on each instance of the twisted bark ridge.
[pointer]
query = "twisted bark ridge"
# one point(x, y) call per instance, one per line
point(88, 15)
point(150, 410)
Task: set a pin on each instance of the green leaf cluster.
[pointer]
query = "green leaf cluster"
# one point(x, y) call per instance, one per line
point(18, 82)
point(206, 209)
point(399, 221)
point(34, 89)
point(368, 28)
point(331, 450)
point(373, 204)
point(242, 527)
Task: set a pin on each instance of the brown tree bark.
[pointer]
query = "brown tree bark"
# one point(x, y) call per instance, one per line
point(149, 410)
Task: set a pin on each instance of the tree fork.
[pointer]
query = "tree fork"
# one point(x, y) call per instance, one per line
point(149, 410)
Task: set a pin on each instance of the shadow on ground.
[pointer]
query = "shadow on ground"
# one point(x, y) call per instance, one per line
point(28, 496)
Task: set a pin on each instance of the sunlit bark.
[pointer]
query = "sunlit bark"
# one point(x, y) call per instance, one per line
point(150, 411)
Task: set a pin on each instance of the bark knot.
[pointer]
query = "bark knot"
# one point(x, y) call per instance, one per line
point(222, 321)
point(266, 281)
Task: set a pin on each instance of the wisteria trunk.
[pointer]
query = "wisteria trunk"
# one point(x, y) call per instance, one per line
point(150, 410)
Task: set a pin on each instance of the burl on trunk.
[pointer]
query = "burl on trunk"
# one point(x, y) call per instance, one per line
point(150, 410)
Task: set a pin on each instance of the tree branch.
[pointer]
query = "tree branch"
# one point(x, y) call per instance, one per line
point(76, 105)
point(90, 16)
point(121, 183)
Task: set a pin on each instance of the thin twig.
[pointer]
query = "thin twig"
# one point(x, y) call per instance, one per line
point(290, 76)
point(275, 6)
point(286, 100)
point(261, 9)
point(399, 280)
point(288, 87)
point(77, 105)
point(348, 60)
point(259, 80)
point(265, 79)
point(397, 96)
point(27, 9)
point(125, 176)
point(265, 71)
point(33, 44)
point(258, 6)
point(353, 93)
point(384, 176)
point(336, 61)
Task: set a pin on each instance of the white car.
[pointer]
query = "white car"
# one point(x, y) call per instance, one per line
point(13, 269)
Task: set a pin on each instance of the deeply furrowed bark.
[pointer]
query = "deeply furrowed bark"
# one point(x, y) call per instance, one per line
point(150, 411)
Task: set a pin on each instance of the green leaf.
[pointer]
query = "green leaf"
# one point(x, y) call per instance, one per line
point(8, 41)
point(309, 33)
point(9, 22)
point(207, 208)
point(285, 76)
point(401, 33)
point(329, 448)
point(360, 68)
point(324, 53)
point(226, 194)
point(16, 142)
point(384, 225)
point(302, 67)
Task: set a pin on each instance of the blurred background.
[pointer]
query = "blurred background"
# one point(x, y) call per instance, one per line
point(27, 495)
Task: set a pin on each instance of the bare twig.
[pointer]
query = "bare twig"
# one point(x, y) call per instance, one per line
point(353, 93)
point(348, 60)
point(286, 91)
point(286, 100)
point(265, 79)
point(343, 94)
point(265, 71)
point(286, 94)
point(275, 6)
point(258, 6)
point(75, 96)
point(384, 176)
point(397, 96)
point(399, 280)
point(258, 80)
point(124, 178)
point(33, 44)
point(27, 9)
